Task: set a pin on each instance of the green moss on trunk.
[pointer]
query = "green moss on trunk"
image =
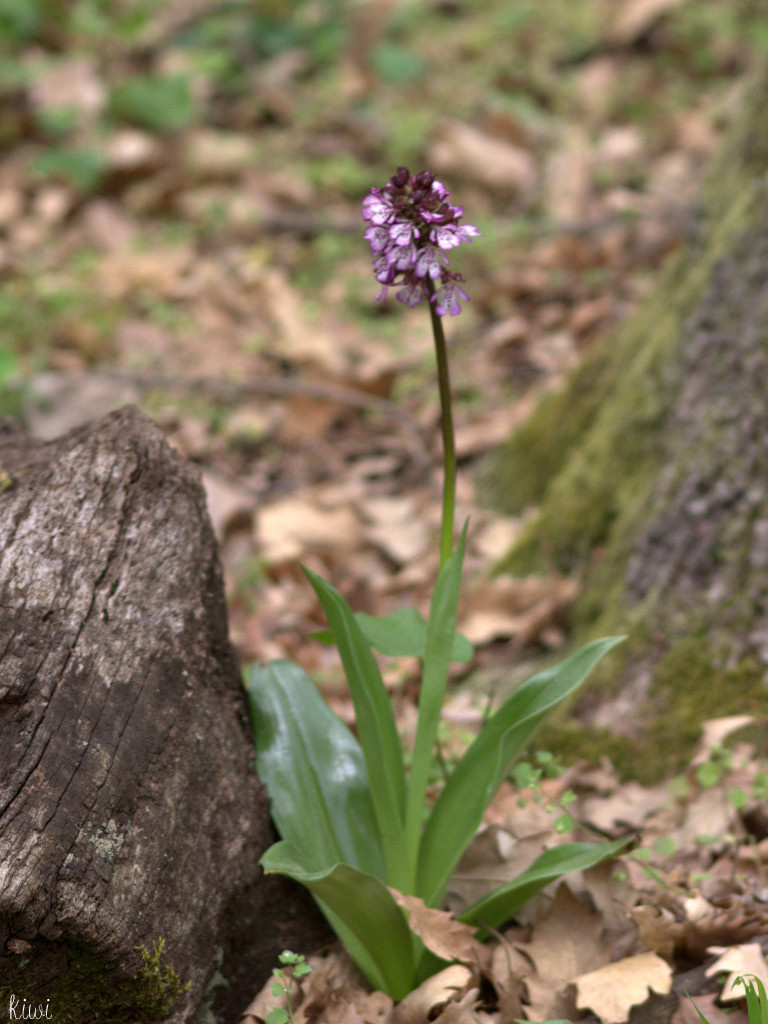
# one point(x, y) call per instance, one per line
point(655, 483)
point(86, 991)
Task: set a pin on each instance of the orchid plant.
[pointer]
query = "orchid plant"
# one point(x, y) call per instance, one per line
point(356, 827)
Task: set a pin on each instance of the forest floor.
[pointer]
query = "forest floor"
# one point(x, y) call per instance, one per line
point(180, 227)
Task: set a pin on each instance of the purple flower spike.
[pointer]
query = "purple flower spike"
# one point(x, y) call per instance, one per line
point(411, 225)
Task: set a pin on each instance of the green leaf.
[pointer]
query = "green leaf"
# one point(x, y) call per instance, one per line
point(159, 103)
point(376, 728)
point(313, 769)
point(757, 1000)
point(363, 913)
point(702, 1018)
point(82, 168)
point(495, 908)
point(396, 64)
point(401, 634)
point(441, 628)
point(459, 810)
point(9, 364)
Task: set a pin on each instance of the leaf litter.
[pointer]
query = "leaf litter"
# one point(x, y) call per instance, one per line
point(208, 271)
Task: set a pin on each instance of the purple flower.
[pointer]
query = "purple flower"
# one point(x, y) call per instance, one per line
point(378, 236)
point(377, 207)
point(428, 262)
point(447, 299)
point(411, 294)
point(411, 225)
point(402, 231)
point(402, 256)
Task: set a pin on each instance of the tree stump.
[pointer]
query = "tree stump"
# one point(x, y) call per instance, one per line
point(130, 812)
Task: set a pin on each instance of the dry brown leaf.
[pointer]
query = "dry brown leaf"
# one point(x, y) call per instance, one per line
point(714, 732)
point(707, 1003)
point(107, 226)
point(568, 941)
point(618, 152)
point(612, 896)
point(658, 929)
point(425, 1002)
point(461, 150)
point(299, 340)
point(545, 1002)
point(160, 270)
point(631, 805)
point(57, 402)
point(508, 333)
point(439, 930)
point(228, 505)
point(12, 202)
point(461, 1011)
point(491, 859)
point(567, 179)
point(709, 815)
point(636, 17)
point(504, 607)
point(129, 149)
point(216, 154)
point(395, 526)
point(611, 991)
point(74, 83)
point(508, 969)
point(495, 538)
point(334, 993)
point(287, 529)
point(738, 960)
point(594, 85)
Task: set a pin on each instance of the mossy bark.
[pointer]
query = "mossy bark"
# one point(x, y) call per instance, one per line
point(655, 482)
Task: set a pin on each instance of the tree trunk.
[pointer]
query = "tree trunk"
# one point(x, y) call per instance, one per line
point(130, 813)
point(657, 485)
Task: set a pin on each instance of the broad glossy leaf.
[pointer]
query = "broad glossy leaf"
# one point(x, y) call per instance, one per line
point(498, 906)
point(473, 783)
point(364, 914)
point(313, 769)
point(376, 728)
point(401, 634)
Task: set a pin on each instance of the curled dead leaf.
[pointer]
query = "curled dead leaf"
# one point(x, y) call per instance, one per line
point(439, 930)
point(427, 1001)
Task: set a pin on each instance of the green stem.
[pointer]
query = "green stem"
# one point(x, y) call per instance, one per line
point(446, 426)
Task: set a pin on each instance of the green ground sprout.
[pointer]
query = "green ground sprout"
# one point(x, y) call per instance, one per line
point(355, 825)
point(294, 966)
point(755, 994)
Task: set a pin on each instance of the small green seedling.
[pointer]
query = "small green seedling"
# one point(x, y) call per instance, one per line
point(295, 966)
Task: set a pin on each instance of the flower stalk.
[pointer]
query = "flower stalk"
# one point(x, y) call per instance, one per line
point(411, 228)
point(446, 428)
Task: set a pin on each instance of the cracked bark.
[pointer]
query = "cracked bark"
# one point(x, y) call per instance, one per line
point(129, 807)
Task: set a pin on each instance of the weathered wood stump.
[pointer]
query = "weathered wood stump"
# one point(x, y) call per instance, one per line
point(130, 812)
